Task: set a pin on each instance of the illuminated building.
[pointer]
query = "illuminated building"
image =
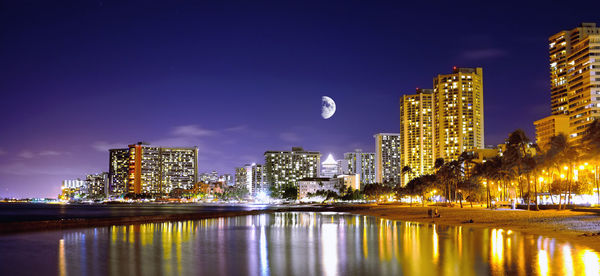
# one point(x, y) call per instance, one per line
point(362, 163)
point(258, 179)
point(458, 114)
point(226, 179)
point(387, 158)
point(97, 184)
point(416, 133)
point(329, 167)
point(350, 180)
point(118, 171)
point(548, 127)
point(574, 76)
point(154, 170)
point(252, 177)
point(73, 188)
point(562, 49)
point(311, 185)
point(241, 176)
point(287, 167)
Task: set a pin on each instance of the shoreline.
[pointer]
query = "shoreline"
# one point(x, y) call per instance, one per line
point(581, 227)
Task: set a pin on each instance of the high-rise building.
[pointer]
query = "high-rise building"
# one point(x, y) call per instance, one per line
point(387, 158)
point(242, 176)
point(97, 184)
point(343, 166)
point(252, 177)
point(329, 167)
point(361, 163)
point(287, 167)
point(550, 126)
point(416, 133)
point(258, 179)
point(153, 170)
point(458, 114)
point(118, 171)
point(575, 76)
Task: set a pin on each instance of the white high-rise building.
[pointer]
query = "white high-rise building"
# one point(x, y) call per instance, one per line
point(361, 163)
point(387, 158)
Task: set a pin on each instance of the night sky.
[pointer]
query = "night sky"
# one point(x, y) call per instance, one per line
point(78, 78)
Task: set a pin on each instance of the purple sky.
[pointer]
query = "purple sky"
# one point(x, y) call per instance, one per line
point(81, 77)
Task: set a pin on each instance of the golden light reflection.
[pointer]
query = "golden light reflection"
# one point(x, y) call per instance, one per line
point(436, 253)
point(591, 262)
point(62, 263)
point(567, 260)
point(334, 242)
point(497, 245)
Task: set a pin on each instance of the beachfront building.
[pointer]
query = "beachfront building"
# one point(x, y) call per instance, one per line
point(458, 112)
point(574, 76)
point(252, 177)
point(118, 171)
point(73, 189)
point(97, 185)
point(287, 167)
point(311, 185)
point(350, 180)
point(153, 170)
point(361, 163)
point(548, 127)
point(416, 134)
point(387, 158)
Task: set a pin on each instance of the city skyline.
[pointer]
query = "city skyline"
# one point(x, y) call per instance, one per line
point(70, 93)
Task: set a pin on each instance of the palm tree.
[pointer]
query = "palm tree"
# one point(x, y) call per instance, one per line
point(591, 145)
point(517, 152)
point(406, 170)
point(561, 150)
point(488, 170)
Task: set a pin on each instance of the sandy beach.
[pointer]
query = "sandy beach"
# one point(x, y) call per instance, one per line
point(578, 226)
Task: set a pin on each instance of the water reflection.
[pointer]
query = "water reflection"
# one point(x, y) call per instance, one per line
point(302, 244)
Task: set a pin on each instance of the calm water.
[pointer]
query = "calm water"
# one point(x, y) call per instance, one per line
point(291, 244)
point(12, 212)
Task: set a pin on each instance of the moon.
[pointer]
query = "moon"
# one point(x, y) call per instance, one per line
point(327, 107)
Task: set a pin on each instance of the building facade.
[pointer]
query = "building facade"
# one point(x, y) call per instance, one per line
point(564, 48)
point(417, 134)
point(241, 176)
point(97, 184)
point(252, 177)
point(118, 171)
point(458, 114)
point(329, 167)
point(287, 167)
point(152, 170)
point(350, 180)
point(548, 127)
point(361, 163)
point(575, 76)
point(387, 158)
point(311, 185)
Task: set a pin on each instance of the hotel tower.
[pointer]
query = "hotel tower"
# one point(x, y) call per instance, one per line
point(458, 112)
point(416, 133)
point(575, 76)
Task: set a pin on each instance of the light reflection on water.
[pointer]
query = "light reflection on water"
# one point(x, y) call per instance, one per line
point(295, 243)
